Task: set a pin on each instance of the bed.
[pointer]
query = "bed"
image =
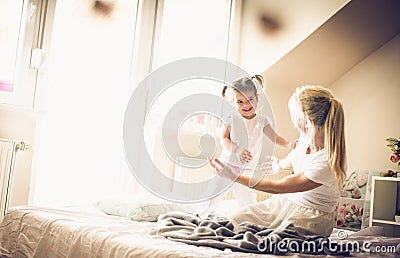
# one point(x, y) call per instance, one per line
point(87, 231)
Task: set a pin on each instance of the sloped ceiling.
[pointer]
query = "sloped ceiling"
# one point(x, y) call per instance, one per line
point(271, 28)
point(348, 37)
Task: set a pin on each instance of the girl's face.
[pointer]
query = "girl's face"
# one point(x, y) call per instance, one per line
point(245, 103)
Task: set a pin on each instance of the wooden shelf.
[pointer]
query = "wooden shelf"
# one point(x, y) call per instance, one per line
point(383, 221)
point(381, 178)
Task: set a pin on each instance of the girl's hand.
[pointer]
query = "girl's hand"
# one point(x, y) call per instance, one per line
point(273, 167)
point(222, 170)
point(244, 155)
point(292, 144)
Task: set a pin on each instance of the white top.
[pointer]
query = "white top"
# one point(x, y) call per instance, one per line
point(248, 134)
point(315, 167)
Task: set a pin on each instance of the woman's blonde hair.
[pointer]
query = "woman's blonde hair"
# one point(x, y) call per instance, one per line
point(316, 105)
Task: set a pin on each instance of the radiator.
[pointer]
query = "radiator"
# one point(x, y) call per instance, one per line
point(193, 175)
point(8, 150)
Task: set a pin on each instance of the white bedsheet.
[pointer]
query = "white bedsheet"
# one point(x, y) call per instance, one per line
point(29, 231)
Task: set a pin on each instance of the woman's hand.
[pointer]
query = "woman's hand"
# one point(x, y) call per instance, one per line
point(292, 144)
point(273, 167)
point(222, 169)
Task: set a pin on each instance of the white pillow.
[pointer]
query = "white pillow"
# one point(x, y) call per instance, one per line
point(139, 207)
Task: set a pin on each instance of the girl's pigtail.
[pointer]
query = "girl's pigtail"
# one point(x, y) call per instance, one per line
point(224, 91)
point(259, 79)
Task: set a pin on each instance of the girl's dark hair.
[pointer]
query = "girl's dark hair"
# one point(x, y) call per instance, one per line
point(245, 84)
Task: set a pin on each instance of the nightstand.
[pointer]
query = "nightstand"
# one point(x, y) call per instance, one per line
point(385, 200)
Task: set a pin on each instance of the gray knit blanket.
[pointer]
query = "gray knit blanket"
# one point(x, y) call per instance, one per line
point(247, 237)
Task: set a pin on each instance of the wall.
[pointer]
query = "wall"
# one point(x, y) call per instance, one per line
point(19, 125)
point(370, 95)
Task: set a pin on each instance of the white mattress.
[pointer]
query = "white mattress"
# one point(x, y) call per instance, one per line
point(28, 231)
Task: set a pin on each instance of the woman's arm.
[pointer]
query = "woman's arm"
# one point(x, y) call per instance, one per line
point(290, 184)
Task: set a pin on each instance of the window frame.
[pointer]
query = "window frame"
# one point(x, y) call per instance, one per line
point(31, 36)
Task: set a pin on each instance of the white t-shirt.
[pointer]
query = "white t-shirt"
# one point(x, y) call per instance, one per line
point(315, 167)
point(248, 134)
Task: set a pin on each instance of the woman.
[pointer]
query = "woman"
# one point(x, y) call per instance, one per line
point(308, 197)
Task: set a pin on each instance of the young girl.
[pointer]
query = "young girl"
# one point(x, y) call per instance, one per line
point(308, 197)
point(243, 96)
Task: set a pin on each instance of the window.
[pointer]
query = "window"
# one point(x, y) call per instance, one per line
point(184, 29)
point(80, 154)
point(20, 43)
point(10, 15)
point(191, 28)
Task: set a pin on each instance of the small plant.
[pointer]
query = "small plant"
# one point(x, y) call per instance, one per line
point(394, 145)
